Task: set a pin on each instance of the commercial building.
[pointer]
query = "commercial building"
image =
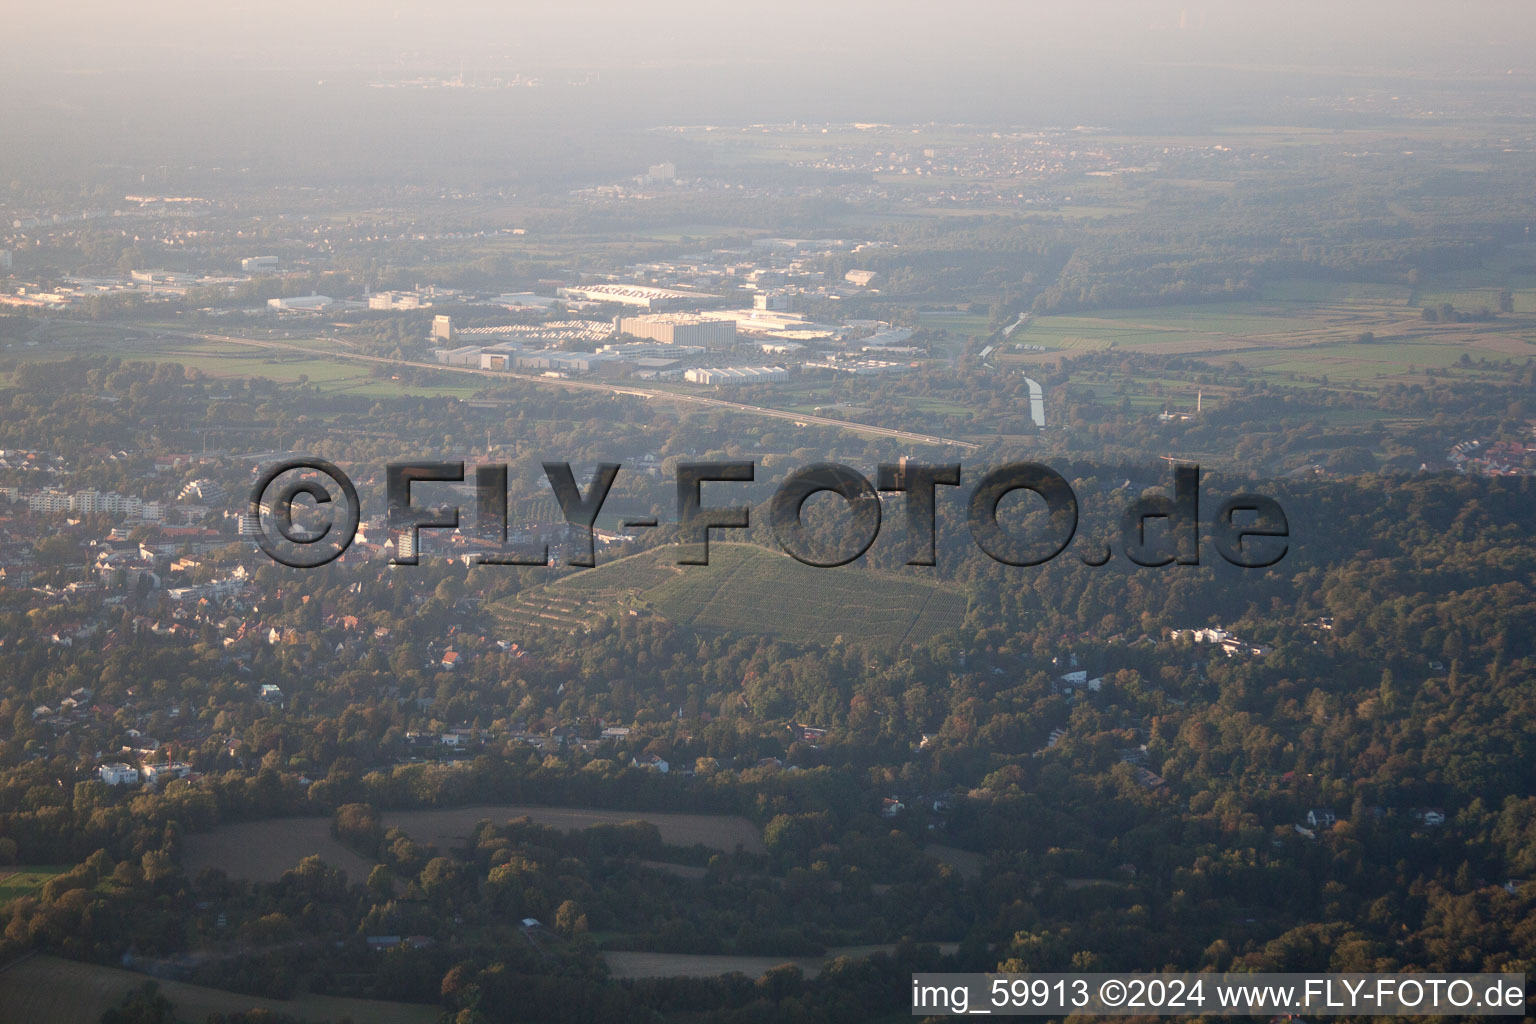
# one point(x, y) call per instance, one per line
point(641, 349)
point(652, 367)
point(680, 329)
point(6, 261)
point(886, 338)
point(643, 296)
point(736, 375)
point(547, 333)
point(396, 300)
point(302, 304)
point(467, 355)
point(862, 367)
point(1036, 402)
point(521, 300)
point(778, 301)
point(766, 323)
point(259, 265)
point(604, 364)
point(442, 327)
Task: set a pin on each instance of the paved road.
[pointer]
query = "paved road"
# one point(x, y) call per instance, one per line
point(613, 389)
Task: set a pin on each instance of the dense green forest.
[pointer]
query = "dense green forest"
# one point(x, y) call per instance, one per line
point(1154, 819)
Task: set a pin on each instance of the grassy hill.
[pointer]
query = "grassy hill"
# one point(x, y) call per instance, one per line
point(745, 590)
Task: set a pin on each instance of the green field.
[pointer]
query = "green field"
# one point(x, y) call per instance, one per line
point(50, 988)
point(744, 590)
point(218, 359)
point(1471, 300)
point(1299, 330)
point(955, 322)
point(16, 882)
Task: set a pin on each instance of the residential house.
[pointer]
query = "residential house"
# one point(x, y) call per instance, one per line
point(158, 774)
point(118, 774)
point(651, 762)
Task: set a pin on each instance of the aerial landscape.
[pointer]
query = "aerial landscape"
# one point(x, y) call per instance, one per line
point(696, 650)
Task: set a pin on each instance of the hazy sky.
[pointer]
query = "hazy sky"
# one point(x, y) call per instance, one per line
point(322, 34)
point(286, 83)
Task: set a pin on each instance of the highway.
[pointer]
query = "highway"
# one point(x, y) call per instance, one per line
point(586, 385)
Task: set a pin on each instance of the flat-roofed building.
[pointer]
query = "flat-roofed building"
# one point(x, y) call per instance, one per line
point(681, 329)
point(522, 300)
point(396, 300)
point(605, 364)
point(466, 355)
point(736, 375)
point(642, 295)
point(118, 774)
point(302, 304)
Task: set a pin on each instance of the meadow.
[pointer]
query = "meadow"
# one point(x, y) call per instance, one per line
point(16, 882)
point(685, 965)
point(59, 991)
point(262, 851)
point(1297, 331)
point(224, 360)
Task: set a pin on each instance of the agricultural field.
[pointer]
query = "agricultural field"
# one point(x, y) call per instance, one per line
point(687, 965)
point(1298, 330)
point(59, 991)
point(747, 590)
point(1475, 298)
point(16, 882)
point(956, 323)
point(1200, 329)
point(219, 359)
point(450, 827)
point(262, 850)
